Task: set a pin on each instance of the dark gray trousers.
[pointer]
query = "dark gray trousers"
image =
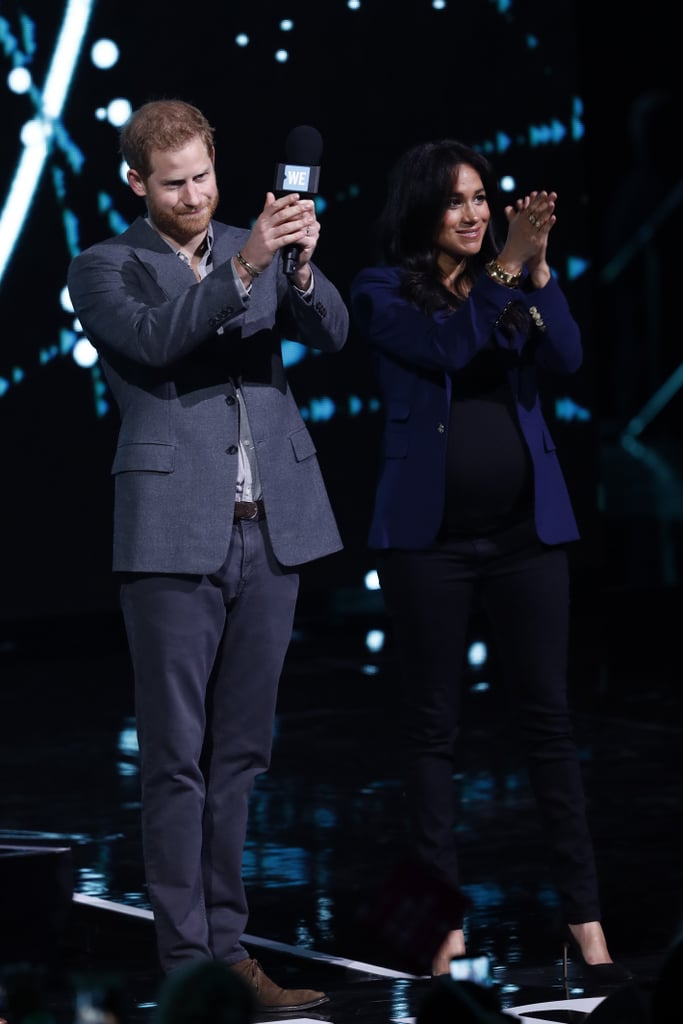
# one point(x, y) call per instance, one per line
point(207, 654)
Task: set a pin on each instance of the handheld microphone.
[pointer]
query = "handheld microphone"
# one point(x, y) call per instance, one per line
point(300, 173)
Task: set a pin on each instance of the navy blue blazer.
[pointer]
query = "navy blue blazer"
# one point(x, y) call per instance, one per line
point(414, 356)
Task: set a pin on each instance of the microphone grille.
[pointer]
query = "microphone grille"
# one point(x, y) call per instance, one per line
point(304, 145)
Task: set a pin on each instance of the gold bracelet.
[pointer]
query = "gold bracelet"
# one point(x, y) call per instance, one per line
point(495, 271)
point(251, 270)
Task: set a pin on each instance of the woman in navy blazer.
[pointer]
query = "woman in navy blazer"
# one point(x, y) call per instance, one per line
point(471, 503)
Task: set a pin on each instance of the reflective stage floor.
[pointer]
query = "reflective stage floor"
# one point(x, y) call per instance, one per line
point(327, 824)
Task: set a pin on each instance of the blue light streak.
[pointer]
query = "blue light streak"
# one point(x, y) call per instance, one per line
point(38, 135)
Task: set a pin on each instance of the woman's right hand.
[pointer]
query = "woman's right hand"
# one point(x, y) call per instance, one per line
point(529, 223)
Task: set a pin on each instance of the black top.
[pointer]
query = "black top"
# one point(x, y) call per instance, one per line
point(488, 470)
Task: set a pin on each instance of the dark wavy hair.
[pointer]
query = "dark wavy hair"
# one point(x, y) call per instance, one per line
point(419, 191)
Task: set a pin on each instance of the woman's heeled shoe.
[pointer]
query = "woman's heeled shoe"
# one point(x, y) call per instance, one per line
point(609, 973)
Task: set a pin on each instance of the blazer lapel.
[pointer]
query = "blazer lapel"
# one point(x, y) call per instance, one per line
point(161, 263)
point(226, 241)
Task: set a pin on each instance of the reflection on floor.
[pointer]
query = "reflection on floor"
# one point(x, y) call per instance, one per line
point(327, 824)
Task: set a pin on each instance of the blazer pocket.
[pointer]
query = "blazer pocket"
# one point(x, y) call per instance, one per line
point(548, 443)
point(396, 430)
point(302, 444)
point(147, 457)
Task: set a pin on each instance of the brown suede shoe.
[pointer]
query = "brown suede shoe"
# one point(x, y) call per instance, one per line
point(270, 996)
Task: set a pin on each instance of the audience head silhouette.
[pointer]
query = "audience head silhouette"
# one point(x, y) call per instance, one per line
point(463, 1001)
point(205, 992)
point(629, 1004)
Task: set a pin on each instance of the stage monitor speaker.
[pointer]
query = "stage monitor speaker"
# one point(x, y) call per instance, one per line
point(36, 893)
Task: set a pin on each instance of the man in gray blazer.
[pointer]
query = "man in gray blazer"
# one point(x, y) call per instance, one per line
point(218, 499)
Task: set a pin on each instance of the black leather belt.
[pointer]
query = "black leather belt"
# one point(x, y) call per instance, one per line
point(249, 509)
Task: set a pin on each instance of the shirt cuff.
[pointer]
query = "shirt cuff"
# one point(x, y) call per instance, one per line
point(308, 292)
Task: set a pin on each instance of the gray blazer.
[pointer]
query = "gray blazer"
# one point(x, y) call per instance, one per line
point(173, 373)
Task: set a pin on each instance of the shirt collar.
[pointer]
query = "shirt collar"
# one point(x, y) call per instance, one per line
point(207, 244)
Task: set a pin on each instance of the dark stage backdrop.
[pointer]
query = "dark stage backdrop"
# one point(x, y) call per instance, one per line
point(373, 77)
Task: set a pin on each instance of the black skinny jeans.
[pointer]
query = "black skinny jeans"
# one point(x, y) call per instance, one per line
point(524, 590)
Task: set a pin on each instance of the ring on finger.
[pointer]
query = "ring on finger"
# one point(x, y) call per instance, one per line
point(532, 219)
